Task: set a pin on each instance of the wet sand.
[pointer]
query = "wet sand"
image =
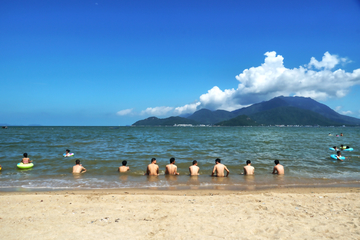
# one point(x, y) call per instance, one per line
point(282, 213)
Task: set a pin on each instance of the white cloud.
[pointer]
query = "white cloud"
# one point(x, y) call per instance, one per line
point(157, 111)
point(188, 108)
point(317, 79)
point(124, 112)
point(347, 112)
point(328, 61)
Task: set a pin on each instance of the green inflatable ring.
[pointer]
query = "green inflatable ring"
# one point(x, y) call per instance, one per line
point(25, 166)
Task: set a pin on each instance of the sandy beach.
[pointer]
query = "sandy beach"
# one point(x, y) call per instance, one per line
point(296, 213)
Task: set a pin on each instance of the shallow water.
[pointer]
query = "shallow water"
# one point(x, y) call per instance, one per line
point(303, 151)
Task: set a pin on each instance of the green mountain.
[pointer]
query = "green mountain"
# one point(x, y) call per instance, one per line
point(241, 120)
point(154, 121)
point(291, 116)
point(277, 111)
point(206, 116)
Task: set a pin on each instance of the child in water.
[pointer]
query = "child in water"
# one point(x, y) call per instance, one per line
point(67, 154)
point(338, 156)
point(26, 160)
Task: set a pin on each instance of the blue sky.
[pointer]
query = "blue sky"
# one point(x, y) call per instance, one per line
point(115, 62)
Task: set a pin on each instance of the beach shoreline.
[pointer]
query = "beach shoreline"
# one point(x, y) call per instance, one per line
point(280, 213)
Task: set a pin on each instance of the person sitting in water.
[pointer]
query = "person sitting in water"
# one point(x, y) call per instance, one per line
point(67, 153)
point(171, 169)
point(278, 169)
point(152, 169)
point(338, 156)
point(78, 168)
point(330, 134)
point(248, 169)
point(124, 168)
point(26, 160)
point(342, 147)
point(219, 168)
point(341, 135)
point(194, 169)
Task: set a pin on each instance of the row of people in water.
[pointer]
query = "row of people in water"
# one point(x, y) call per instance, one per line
point(219, 170)
point(341, 135)
point(342, 147)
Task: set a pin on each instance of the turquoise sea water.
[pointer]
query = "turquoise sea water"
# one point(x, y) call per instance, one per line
point(303, 151)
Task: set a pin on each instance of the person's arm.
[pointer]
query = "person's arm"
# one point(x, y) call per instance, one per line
point(190, 170)
point(274, 170)
point(227, 170)
point(339, 158)
point(83, 170)
point(157, 170)
point(119, 169)
point(198, 170)
point(128, 169)
point(147, 171)
point(166, 170)
point(175, 172)
point(213, 171)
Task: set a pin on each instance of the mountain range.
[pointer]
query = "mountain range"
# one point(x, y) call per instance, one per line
point(277, 111)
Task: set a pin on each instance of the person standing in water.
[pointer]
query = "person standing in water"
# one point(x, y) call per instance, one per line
point(78, 168)
point(152, 169)
point(278, 169)
point(194, 169)
point(171, 169)
point(248, 169)
point(219, 169)
point(124, 168)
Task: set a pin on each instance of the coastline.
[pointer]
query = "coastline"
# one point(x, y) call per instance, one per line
point(282, 213)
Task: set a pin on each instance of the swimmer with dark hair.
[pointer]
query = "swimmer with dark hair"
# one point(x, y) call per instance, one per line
point(338, 156)
point(248, 169)
point(152, 169)
point(171, 169)
point(78, 168)
point(278, 169)
point(124, 168)
point(26, 160)
point(219, 169)
point(67, 153)
point(194, 169)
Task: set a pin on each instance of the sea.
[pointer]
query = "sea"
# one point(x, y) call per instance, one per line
point(303, 151)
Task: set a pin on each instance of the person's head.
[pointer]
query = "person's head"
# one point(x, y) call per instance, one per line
point(276, 162)
point(25, 155)
point(341, 145)
point(77, 161)
point(248, 162)
point(194, 162)
point(334, 147)
point(338, 153)
point(124, 163)
point(153, 160)
point(218, 160)
point(172, 160)
point(67, 151)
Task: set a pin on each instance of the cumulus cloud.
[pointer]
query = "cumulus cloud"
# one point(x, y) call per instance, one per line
point(319, 80)
point(124, 112)
point(328, 61)
point(347, 112)
point(157, 111)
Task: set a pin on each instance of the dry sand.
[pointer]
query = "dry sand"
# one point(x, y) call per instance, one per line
point(331, 213)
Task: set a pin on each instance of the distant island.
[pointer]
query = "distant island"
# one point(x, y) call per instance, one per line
point(277, 111)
